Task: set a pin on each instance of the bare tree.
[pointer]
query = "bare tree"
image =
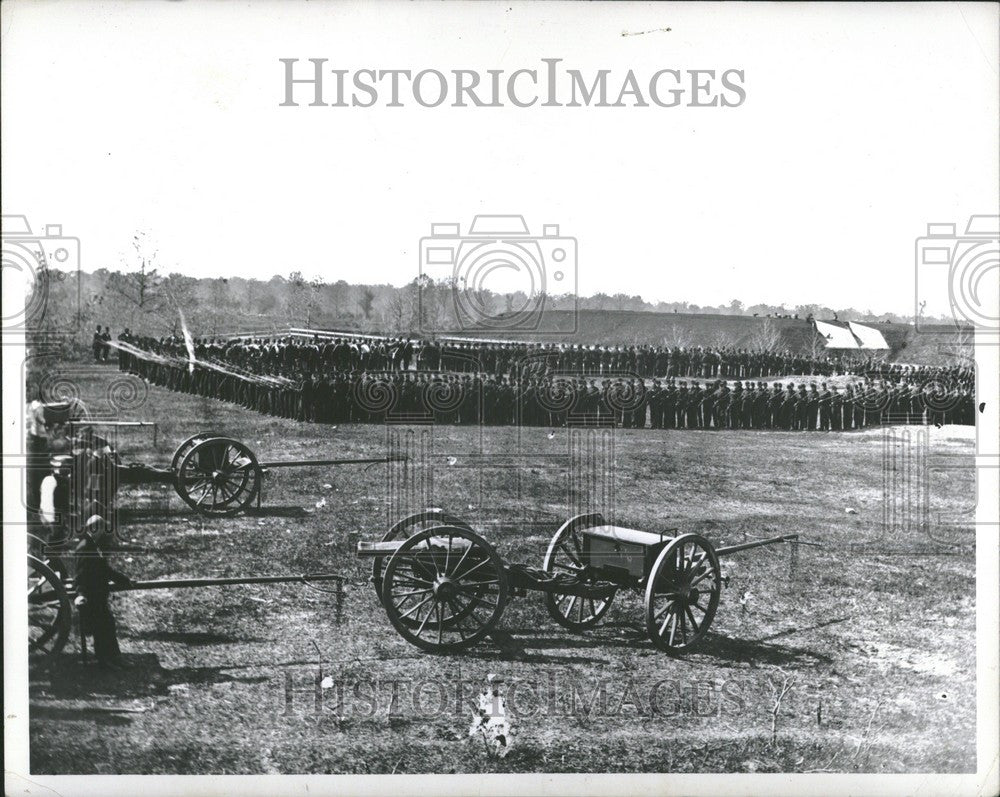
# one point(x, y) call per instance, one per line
point(677, 336)
point(815, 343)
point(398, 312)
point(138, 284)
point(765, 335)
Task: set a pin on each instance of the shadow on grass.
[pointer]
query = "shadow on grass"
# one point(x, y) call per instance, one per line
point(717, 647)
point(195, 637)
point(97, 715)
point(136, 514)
point(142, 675)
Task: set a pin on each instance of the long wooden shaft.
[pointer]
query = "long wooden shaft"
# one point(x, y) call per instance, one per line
point(175, 583)
point(305, 463)
point(755, 544)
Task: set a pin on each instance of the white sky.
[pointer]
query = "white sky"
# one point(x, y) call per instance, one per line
point(862, 123)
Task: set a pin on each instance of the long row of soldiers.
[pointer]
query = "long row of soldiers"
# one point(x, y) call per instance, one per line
point(559, 400)
point(290, 354)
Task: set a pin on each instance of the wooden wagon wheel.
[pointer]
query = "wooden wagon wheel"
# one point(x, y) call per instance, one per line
point(565, 554)
point(50, 614)
point(436, 517)
point(444, 589)
point(682, 593)
point(188, 444)
point(218, 476)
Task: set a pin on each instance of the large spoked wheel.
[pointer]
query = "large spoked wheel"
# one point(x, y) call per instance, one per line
point(565, 555)
point(444, 589)
point(682, 593)
point(407, 526)
point(219, 476)
point(188, 444)
point(50, 614)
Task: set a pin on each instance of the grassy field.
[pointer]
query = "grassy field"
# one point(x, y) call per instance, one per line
point(871, 636)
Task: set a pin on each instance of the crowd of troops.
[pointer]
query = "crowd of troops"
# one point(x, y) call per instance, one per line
point(295, 380)
point(302, 354)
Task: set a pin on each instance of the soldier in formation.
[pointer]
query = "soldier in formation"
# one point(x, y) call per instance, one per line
point(308, 385)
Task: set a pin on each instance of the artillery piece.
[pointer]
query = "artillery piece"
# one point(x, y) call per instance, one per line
point(213, 474)
point(444, 587)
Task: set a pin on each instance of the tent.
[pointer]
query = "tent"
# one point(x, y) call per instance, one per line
point(837, 337)
point(868, 337)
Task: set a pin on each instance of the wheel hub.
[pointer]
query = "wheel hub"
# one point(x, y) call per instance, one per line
point(444, 588)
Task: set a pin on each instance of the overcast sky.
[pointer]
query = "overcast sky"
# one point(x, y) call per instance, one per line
point(861, 124)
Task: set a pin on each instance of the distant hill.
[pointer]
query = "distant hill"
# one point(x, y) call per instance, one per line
point(934, 345)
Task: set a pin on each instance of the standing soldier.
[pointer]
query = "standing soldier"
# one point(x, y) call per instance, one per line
point(97, 344)
point(94, 576)
point(825, 399)
point(694, 420)
point(836, 410)
point(775, 402)
point(735, 406)
point(722, 399)
point(746, 408)
point(812, 408)
point(761, 404)
point(788, 408)
point(670, 406)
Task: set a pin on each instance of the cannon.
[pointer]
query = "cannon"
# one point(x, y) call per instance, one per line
point(213, 474)
point(52, 593)
point(219, 475)
point(444, 587)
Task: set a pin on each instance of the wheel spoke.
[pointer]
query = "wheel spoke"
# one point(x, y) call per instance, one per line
point(461, 559)
point(412, 581)
point(471, 569)
point(414, 608)
point(455, 612)
point(573, 557)
point(690, 616)
point(412, 592)
point(703, 576)
point(423, 623)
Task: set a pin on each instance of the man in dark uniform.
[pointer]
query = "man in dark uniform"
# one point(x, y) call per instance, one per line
point(655, 401)
point(681, 404)
point(735, 407)
point(721, 409)
point(812, 408)
point(746, 408)
point(774, 407)
point(788, 408)
point(670, 406)
point(836, 410)
point(694, 419)
point(94, 575)
point(97, 344)
point(762, 415)
point(825, 398)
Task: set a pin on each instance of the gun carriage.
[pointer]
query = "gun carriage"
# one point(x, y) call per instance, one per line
point(52, 593)
point(444, 587)
point(213, 473)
